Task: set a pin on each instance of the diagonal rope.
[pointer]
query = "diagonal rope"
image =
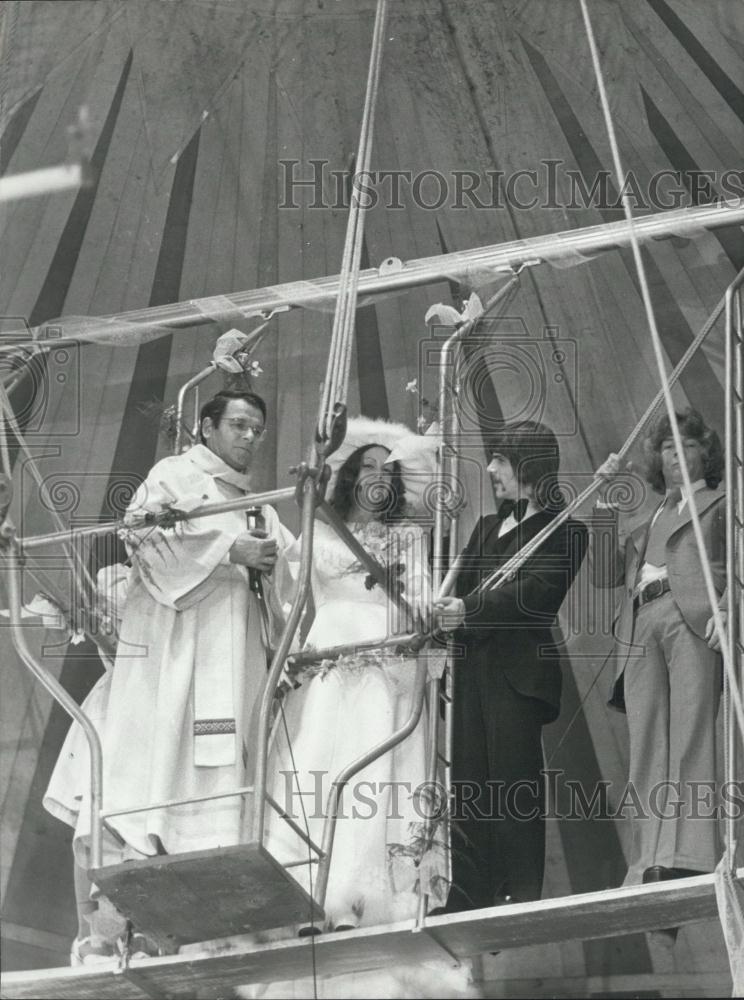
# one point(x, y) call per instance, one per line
point(720, 628)
point(501, 575)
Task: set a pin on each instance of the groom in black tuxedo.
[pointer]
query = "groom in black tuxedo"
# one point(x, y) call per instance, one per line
point(507, 677)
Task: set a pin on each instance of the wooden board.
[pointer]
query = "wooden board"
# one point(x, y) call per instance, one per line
point(583, 917)
point(205, 894)
point(214, 971)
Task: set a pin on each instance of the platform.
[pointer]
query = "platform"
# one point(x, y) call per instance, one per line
point(217, 967)
point(179, 899)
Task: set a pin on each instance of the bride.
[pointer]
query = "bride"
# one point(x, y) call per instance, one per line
point(343, 708)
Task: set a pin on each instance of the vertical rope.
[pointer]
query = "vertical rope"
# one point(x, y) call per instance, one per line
point(720, 628)
point(336, 385)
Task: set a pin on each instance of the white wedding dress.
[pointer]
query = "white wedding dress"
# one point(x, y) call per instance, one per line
point(340, 711)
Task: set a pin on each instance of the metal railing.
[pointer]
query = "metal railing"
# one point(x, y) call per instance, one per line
point(309, 492)
point(734, 447)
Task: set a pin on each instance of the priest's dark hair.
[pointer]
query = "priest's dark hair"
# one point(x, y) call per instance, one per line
point(533, 451)
point(215, 407)
point(691, 425)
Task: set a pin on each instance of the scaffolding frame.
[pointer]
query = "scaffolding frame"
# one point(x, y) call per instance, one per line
point(309, 492)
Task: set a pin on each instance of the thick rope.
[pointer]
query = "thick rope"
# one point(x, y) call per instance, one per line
point(336, 385)
point(500, 576)
point(720, 628)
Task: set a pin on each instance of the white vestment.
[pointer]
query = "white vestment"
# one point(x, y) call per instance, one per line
point(179, 720)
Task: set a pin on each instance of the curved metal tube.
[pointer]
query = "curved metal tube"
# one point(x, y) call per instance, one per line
point(180, 403)
point(62, 698)
point(293, 620)
point(344, 776)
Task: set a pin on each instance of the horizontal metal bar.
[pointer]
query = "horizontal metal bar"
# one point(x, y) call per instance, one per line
point(47, 180)
point(248, 790)
point(97, 530)
point(298, 864)
point(320, 292)
point(333, 652)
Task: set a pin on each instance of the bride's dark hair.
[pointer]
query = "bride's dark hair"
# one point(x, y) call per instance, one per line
point(386, 501)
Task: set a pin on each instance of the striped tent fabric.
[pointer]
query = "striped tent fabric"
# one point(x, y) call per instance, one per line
point(222, 135)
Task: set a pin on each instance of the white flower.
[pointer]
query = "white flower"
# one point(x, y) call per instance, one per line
point(412, 386)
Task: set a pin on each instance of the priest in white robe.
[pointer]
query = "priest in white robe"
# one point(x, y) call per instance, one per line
point(180, 718)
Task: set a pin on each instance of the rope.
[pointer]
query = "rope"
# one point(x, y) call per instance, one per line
point(336, 385)
point(720, 628)
point(501, 575)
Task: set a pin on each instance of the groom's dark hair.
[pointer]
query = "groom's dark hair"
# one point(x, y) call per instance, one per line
point(533, 451)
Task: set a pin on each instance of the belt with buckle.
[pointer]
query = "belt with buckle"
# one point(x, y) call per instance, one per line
point(650, 592)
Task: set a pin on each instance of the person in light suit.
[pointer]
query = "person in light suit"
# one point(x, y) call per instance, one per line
point(667, 665)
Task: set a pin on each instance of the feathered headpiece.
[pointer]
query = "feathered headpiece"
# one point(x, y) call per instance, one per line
point(415, 453)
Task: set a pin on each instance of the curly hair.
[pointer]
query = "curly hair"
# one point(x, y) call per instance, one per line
point(388, 507)
point(532, 449)
point(691, 425)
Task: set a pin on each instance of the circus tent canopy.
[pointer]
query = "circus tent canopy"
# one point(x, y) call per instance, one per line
point(221, 137)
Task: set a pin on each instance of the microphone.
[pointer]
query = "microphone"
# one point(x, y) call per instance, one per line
point(255, 521)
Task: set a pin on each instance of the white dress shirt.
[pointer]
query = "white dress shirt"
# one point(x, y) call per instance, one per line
point(509, 523)
point(649, 572)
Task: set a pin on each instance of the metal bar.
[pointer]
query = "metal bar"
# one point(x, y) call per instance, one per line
point(344, 776)
point(192, 382)
point(738, 658)
point(462, 265)
point(62, 698)
point(169, 803)
point(309, 656)
point(295, 827)
point(47, 180)
point(370, 564)
point(730, 456)
point(94, 531)
point(499, 576)
point(432, 735)
point(309, 500)
point(734, 449)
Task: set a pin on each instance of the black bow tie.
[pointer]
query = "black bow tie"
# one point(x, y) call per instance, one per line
point(518, 508)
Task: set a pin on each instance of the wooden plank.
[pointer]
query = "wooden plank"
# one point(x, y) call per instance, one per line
point(701, 984)
point(585, 916)
point(70, 984)
point(243, 960)
point(178, 899)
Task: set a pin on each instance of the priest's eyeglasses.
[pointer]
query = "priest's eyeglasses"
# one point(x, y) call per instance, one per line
point(242, 427)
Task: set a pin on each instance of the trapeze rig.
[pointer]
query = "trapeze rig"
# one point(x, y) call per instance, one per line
point(164, 896)
point(243, 943)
